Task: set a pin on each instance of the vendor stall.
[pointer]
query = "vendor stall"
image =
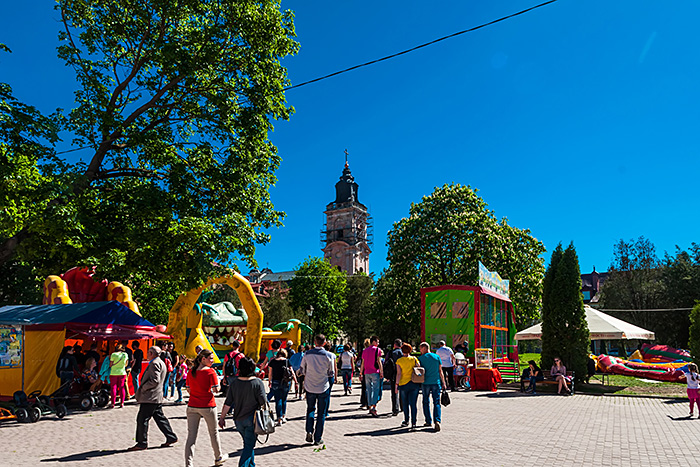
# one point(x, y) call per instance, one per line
point(32, 336)
point(467, 317)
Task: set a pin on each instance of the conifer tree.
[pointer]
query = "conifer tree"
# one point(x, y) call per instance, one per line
point(565, 333)
point(551, 335)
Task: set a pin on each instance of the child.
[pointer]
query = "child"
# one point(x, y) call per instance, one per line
point(181, 377)
point(691, 375)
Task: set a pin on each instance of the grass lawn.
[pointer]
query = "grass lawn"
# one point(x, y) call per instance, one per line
point(618, 384)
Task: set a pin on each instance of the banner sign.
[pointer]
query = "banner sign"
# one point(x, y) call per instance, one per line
point(10, 346)
point(492, 281)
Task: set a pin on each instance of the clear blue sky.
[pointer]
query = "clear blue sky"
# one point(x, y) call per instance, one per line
point(578, 120)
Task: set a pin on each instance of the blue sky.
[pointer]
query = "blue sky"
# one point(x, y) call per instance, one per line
point(577, 120)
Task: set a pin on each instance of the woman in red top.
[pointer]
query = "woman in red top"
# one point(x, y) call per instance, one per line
point(202, 382)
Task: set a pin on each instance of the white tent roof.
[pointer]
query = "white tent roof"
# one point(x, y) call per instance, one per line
point(600, 326)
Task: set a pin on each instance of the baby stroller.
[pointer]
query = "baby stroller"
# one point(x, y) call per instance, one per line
point(78, 391)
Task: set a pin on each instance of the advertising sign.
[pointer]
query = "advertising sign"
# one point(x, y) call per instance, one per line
point(10, 346)
point(492, 281)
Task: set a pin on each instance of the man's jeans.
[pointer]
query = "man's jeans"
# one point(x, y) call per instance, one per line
point(246, 427)
point(434, 391)
point(316, 405)
point(374, 386)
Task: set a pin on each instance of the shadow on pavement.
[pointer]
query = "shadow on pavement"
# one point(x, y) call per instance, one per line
point(261, 451)
point(501, 395)
point(681, 419)
point(384, 432)
point(83, 456)
point(676, 401)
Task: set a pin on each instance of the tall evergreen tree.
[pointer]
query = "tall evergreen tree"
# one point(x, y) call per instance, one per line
point(565, 333)
point(552, 340)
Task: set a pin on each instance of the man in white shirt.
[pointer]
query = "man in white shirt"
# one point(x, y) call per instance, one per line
point(447, 358)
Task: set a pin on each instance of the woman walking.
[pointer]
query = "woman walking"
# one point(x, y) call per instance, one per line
point(202, 382)
point(246, 394)
point(277, 370)
point(117, 374)
point(347, 363)
point(407, 388)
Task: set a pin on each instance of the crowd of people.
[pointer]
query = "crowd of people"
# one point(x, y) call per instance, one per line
point(312, 369)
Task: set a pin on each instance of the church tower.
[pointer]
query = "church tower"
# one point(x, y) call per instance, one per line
point(347, 234)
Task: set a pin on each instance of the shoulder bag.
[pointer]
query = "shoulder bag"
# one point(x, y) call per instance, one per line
point(417, 373)
point(264, 425)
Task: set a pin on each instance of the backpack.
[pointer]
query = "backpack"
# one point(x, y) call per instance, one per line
point(231, 368)
point(389, 368)
point(287, 373)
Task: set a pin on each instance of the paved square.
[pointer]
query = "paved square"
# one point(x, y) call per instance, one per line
point(480, 429)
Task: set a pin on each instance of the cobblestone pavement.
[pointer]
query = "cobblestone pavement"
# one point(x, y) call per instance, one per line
point(481, 429)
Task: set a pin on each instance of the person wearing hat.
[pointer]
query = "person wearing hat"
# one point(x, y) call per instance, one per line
point(447, 357)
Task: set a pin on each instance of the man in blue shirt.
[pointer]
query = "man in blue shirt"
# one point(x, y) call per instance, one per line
point(317, 366)
point(432, 385)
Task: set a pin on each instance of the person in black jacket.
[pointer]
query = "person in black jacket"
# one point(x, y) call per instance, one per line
point(395, 397)
point(246, 394)
point(66, 367)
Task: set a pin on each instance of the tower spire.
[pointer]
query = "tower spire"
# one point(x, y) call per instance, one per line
point(346, 158)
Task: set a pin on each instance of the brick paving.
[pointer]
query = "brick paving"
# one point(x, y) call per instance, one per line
point(480, 429)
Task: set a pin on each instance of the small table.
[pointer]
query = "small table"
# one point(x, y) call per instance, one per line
point(486, 379)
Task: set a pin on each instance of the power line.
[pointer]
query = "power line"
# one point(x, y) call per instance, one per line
point(388, 57)
point(654, 310)
point(403, 52)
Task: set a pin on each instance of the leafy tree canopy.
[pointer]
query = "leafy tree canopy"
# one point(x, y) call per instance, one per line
point(441, 242)
point(317, 283)
point(359, 324)
point(172, 115)
point(640, 281)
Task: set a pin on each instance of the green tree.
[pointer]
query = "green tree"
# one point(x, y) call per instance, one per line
point(277, 307)
point(173, 108)
point(564, 327)
point(359, 324)
point(694, 339)
point(318, 284)
point(441, 242)
point(639, 281)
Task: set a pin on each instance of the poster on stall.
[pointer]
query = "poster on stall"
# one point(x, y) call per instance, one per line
point(10, 346)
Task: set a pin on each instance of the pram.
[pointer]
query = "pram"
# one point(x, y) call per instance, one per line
point(78, 391)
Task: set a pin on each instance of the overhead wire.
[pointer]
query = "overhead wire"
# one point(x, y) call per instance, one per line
point(394, 55)
point(413, 49)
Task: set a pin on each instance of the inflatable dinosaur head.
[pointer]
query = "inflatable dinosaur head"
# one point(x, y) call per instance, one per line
point(223, 323)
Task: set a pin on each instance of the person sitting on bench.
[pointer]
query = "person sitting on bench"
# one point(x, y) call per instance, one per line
point(534, 373)
point(558, 373)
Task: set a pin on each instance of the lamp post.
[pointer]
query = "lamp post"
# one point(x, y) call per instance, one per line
point(310, 313)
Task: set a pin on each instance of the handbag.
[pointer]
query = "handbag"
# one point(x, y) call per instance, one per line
point(418, 375)
point(263, 422)
point(445, 399)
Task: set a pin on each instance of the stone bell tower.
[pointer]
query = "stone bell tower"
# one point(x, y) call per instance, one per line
point(346, 237)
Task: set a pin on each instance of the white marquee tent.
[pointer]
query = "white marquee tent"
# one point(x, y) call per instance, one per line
point(600, 326)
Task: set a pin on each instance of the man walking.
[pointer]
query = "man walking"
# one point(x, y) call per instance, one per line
point(395, 355)
point(432, 385)
point(374, 373)
point(150, 399)
point(447, 356)
point(317, 366)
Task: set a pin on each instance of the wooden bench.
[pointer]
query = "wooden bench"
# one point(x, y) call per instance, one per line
point(549, 380)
